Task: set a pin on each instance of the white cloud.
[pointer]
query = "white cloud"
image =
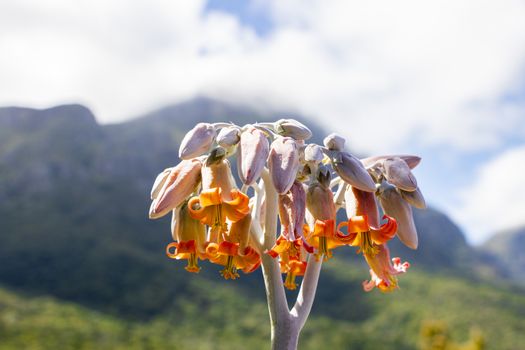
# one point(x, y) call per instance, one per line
point(408, 71)
point(392, 75)
point(496, 198)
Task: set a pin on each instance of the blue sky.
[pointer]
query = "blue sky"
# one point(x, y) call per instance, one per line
point(248, 13)
point(442, 79)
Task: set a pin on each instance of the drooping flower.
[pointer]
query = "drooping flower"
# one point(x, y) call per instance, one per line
point(252, 153)
point(190, 236)
point(412, 161)
point(283, 163)
point(334, 142)
point(324, 239)
point(361, 235)
point(292, 258)
point(395, 206)
point(291, 247)
point(398, 173)
point(313, 153)
point(359, 202)
point(228, 136)
point(197, 141)
point(292, 128)
point(292, 207)
point(212, 209)
point(383, 270)
point(173, 187)
point(219, 199)
point(363, 228)
point(232, 250)
point(351, 170)
point(160, 180)
point(321, 207)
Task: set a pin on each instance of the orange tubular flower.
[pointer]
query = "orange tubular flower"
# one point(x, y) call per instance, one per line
point(383, 271)
point(295, 268)
point(324, 238)
point(292, 258)
point(228, 254)
point(320, 204)
point(190, 235)
point(233, 250)
point(368, 239)
point(219, 199)
point(211, 209)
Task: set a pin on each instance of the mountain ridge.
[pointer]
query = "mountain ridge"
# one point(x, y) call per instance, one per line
point(507, 247)
point(86, 190)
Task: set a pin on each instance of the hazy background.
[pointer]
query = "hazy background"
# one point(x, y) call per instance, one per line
point(82, 267)
point(443, 79)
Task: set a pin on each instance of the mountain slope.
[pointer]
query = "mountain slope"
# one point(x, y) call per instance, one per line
point(507, 247)
point(74, 197)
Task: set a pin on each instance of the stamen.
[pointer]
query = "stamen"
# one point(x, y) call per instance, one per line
point(289, 282)
point(192, 264)
point(230, 271)
point(218, 216)
point(367, 246)
point(323, 248)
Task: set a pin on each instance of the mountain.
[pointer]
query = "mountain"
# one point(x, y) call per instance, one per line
point(74, 197)
point(507, 248)
point(74, 202)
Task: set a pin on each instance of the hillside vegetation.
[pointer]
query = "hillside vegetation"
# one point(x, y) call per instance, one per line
point(221, 317)
point(83, 267)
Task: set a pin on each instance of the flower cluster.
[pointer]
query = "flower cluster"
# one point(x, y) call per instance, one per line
point(213, 219)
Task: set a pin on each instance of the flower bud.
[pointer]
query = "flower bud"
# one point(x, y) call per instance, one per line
point(292, 207)
point(283, 163)
point(252, 154)
point(197, 141)
point(218, 175)
point(398, 173)
point(292, 128)
point(334, 142)
point(228, 136)
point(159, 182)
point(313, 153)
point(352, 171)
point(179, 184)
point(362, 203)
point(414, 198)
point(393, 205)
point(320, 202)
point(412, 161)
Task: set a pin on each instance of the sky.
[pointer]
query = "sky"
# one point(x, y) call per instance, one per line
point(441, 79)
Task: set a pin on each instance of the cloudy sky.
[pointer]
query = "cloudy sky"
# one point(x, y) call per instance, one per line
point(444, 79)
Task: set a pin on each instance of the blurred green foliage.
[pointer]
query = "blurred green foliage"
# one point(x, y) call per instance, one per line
point(435, 336)
point(220, 316)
